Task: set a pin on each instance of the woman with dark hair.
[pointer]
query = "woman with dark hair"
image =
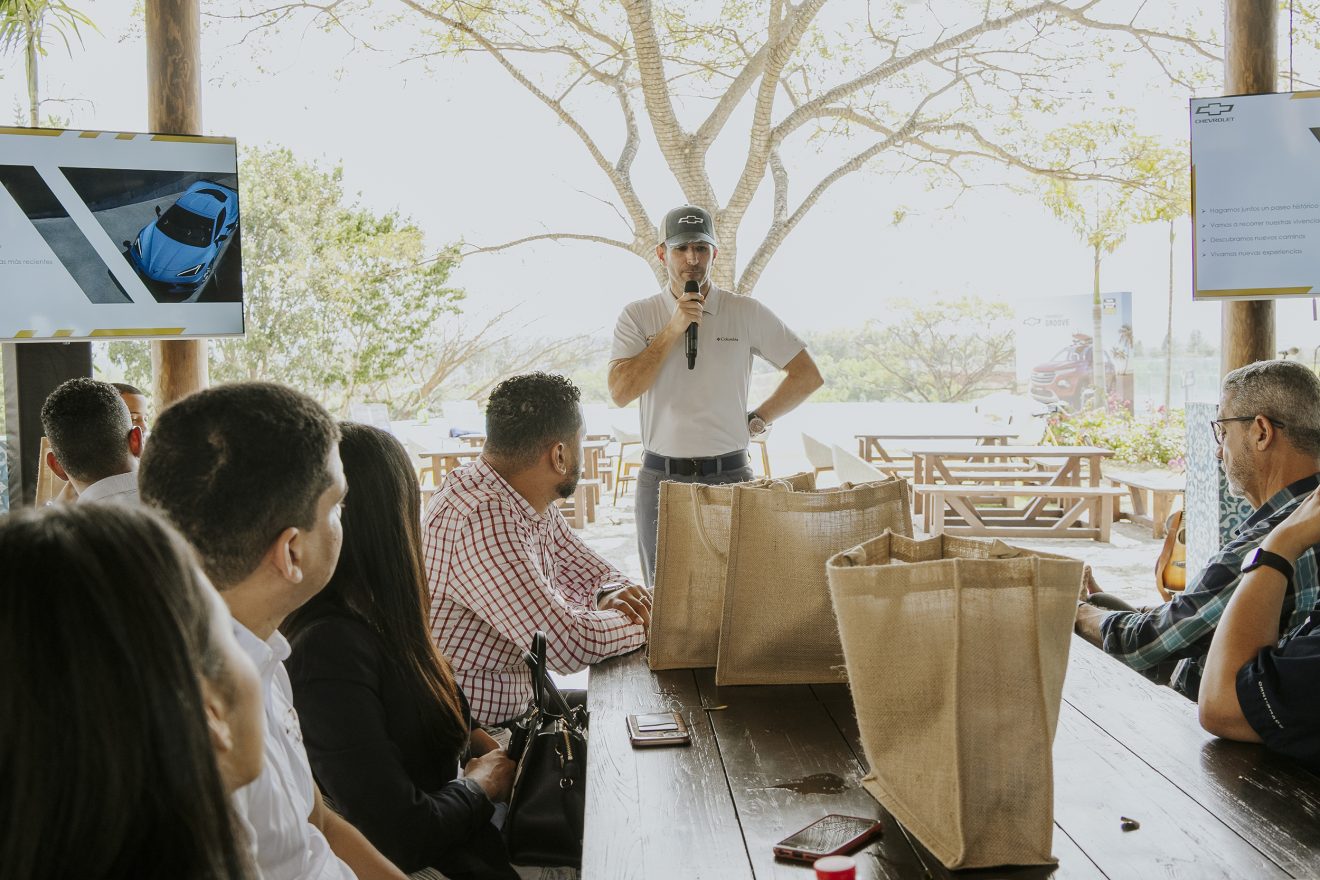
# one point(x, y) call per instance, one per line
point(128, 712)
point(384, 722)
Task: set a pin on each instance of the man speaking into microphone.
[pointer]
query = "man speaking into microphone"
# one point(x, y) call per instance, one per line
point(696, 421)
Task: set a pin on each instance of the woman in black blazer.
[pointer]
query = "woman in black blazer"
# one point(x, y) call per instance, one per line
point(385, 725)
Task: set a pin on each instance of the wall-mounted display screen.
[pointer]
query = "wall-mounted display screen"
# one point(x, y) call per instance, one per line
point(113, 234)
point(1256, 196)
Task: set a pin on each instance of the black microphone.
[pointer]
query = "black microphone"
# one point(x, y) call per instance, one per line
point(692, 287)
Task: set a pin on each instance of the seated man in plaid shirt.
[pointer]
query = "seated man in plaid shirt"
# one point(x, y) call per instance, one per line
point(502, 562)
point(1268, 433)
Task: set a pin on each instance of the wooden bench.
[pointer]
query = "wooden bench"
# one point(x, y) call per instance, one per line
point(1087, 511)
point(1165, 489)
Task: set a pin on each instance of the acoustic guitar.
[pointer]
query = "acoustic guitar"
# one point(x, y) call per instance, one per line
point(1171, 567)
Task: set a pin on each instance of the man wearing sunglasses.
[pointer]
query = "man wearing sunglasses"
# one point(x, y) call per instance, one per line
point(1268, 434)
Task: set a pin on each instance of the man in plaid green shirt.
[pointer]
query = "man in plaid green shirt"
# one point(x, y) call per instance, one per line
point(1268, 431)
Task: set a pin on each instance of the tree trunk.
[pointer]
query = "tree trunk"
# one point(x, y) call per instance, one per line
point(174, 106)
point(723, 273)
point(1097, 340)
point(34, 93)
point(1168, 338)
point(1250, 68)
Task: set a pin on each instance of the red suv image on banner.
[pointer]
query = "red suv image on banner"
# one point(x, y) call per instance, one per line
point(1066, 377)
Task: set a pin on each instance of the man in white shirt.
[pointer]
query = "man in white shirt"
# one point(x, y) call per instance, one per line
point(94, 444)
point(250, 473)
point(695, 419)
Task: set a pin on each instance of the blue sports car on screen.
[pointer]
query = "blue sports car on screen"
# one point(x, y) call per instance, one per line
point(179, 250)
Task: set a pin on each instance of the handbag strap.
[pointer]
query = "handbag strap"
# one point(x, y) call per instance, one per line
point(537, 663)
point(542, 684)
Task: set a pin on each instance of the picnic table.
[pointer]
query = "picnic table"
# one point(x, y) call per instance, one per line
point(445, 460)
point(871, 449)
point(767, 761)
point(951, 498)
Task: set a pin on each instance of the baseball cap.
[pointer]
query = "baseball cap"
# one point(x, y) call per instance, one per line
point(688, 223)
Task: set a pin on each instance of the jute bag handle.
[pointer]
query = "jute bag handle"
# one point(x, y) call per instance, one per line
point(699, 526)
point(699, 522)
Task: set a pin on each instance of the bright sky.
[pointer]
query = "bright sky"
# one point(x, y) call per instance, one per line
point(467, 154)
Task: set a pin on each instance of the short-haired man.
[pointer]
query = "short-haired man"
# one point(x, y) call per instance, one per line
point(136, 400)
point(1255, 688)
point(503, 563)
point(94, 444)
point(696, 422)
point(1268, 433)
point(250, 473)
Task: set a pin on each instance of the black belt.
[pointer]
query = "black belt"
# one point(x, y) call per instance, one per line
point(691, 467)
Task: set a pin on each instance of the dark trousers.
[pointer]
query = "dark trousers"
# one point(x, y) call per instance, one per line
point(647, 508)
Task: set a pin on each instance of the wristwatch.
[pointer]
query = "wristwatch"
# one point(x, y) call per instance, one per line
point(755, 424)
point(1259, 556)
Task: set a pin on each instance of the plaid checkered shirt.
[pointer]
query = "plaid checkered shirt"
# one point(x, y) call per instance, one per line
point(1182, 628)
point(498, 571)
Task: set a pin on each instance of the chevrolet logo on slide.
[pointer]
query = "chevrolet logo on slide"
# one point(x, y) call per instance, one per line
point(1215, 109)
point(693, 218)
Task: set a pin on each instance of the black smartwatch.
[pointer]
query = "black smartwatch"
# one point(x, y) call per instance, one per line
point(1259, 556)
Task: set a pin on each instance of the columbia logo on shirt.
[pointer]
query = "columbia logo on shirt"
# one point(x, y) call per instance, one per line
point(726, 338)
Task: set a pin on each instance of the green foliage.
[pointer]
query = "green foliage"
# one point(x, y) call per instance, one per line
point(338, 296)
point(24, 21)
point(1109, 178)
point(340, 300)
point(944, 351)
point(1156, 439)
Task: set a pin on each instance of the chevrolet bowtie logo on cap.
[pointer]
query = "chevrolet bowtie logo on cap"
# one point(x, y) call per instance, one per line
point(686, 224)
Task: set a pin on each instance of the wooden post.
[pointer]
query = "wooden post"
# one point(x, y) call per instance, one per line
point(174, 106)
point(1250, 68)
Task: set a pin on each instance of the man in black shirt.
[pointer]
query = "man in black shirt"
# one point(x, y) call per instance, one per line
point(1256, 688)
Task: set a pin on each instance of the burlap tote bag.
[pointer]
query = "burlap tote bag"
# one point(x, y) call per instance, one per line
point(692, 551)
point(956, 663)
point(778, 625)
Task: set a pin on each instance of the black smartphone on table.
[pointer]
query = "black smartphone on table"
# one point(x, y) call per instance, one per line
point(658, 729)
point(834, 835)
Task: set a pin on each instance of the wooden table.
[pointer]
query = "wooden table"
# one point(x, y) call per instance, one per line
point(931, 463)
point(593, 453)
point(445, 460)
point(770, 760)
point(870, 448)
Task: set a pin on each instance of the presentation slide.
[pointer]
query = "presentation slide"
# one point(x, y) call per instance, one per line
point(113, 234)
point(1256, 196)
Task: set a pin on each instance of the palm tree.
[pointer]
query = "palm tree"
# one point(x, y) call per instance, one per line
point(24, 25)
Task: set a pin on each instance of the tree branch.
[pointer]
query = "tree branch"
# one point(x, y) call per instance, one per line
point(761, 140)
point(550, 236)
point(675, 144)
point(622, 185)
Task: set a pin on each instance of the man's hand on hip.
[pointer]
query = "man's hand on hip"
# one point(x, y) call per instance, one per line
point(633, 602)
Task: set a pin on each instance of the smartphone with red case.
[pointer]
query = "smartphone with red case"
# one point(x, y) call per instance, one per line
point(834, 835)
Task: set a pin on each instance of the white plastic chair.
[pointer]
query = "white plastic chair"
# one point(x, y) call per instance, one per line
point(850, 468)
point(819, 455)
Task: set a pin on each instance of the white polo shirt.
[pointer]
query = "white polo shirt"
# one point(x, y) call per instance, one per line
point(275, 807)
point(702, 412)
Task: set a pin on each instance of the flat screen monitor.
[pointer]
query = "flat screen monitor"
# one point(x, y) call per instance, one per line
point(115, 234)
point(1256, 196)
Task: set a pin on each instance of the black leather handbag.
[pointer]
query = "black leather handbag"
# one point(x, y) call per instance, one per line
point(549, 746)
